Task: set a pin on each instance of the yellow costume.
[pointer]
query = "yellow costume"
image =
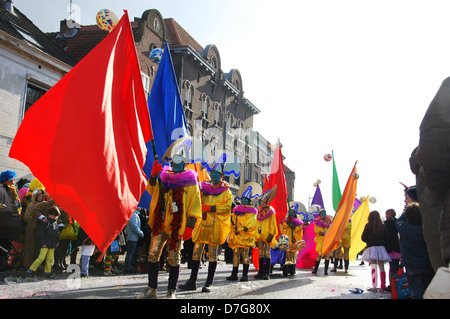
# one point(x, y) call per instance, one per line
point(321, 225)
point(267, 231)
point(292, 227)
point(214, 227)
point(182, 208)
point(243, 228)
point(243, 231)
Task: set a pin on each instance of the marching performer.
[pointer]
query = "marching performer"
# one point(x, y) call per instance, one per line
point(169, 216)
point(214, 226)
point(243, 228)
point(266, 233)
point(292, 227)
point(321, 225)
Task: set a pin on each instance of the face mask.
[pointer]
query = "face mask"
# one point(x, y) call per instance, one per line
point(178, 164)
point(245, 201)
point(215, 176)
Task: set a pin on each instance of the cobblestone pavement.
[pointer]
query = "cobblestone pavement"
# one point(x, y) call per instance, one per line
point(303, 285)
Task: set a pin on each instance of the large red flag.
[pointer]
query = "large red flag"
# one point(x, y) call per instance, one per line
point(85, 138)
point(277, 177)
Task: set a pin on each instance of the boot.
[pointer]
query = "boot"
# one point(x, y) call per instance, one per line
point(245, 272)
point(292, 270)
point(233, 275)
point(335, 266)
point(261, 269)
point(191, 283)
point(316, 267)
point(153, 269)
point(266, 275)
point(346, 265)
point(174, 272)
point(150, 293)
point(340, 264)
point(285, 270)
point(209, 280)
point(327, 262)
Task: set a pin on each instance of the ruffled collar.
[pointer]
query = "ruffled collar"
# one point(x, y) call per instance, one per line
point(322, 223)
point(170, 179)
point(242, 210)
point(264, 213)
point(294, 220)
point(209, 188)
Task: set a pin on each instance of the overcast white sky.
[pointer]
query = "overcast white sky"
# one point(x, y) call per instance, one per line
point(352, 76)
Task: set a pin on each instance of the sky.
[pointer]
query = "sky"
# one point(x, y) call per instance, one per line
point(352, 77)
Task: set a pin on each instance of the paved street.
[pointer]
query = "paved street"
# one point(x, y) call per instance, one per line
point(303, 285)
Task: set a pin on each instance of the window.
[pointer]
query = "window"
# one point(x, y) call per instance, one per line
point(26, 35)
point(146, 83)
point(34, 93)
point(205, 105)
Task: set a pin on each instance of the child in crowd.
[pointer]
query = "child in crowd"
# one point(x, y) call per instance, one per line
point(49, 240)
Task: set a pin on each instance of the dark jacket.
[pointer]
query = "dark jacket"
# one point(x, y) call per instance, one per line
point(49, 233)
point(412, 245)
point(372, 239)
point(392, 243)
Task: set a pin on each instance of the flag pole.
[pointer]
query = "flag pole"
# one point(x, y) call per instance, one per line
point(161, 195)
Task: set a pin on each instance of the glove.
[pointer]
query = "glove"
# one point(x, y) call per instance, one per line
point(206, 208)
point(156, 168)
point(187, 233)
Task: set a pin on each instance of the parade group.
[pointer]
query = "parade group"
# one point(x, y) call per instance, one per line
point(183, 208)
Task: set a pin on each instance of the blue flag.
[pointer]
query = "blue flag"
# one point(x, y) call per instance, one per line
point(166, 113)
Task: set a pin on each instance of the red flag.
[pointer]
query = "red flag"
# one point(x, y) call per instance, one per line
point(85, 138)
point(265, 184)
point(277, 177)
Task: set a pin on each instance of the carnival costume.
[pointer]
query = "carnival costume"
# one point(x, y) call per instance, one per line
point(292, 227)
point(169, 218)
point(243, 229)
point(267, 232)
point(213, 228)
point(344, 248)
point(321, 225)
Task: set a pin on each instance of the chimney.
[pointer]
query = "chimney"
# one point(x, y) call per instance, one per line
point(9, 6)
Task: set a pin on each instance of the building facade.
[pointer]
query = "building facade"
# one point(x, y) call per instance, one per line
point(216, 109)
point(30, 64)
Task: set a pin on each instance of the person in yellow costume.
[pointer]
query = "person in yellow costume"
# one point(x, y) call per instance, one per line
point(292, 227)
point(179, 208)
point(243, 229)
point(344, 249)
point(267, 232)
point(321, 224)
point(213, 228)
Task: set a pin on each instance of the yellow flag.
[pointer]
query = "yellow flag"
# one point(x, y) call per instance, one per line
point(359, 221)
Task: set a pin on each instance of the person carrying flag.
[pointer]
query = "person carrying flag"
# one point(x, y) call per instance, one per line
point(170, 215)
point(267, 232)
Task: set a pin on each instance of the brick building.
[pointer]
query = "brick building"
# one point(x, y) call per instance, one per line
point(216, 109)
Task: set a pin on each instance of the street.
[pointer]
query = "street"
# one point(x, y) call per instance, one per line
point(303, 285)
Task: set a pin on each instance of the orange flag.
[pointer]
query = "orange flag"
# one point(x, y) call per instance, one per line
point(334, 234)
point(92, 129)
